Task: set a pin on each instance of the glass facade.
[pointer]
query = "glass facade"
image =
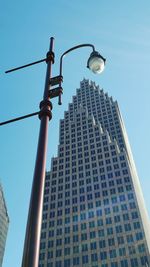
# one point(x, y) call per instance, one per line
point(4, 221)
point(92, 214)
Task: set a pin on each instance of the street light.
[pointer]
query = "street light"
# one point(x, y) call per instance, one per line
point(32, 238)
point(96, 62)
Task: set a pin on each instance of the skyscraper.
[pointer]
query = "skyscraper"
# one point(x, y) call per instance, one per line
point(4, 221)
point(93, 211)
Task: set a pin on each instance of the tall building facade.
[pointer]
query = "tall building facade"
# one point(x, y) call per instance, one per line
point(4, 221)
point(93, 211)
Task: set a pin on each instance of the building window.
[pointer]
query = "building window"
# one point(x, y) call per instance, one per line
point(94, 257)
point(67, 263)
point(67, 240)
point(85, 259)
point(67, 251)
point(102, 244)
point(111, 242)
point(93, 246)
point(92, 234)
point(103, 255)
point(58, 253)
point(112, 253)
point(114, 264)
point(141, 248)
point(120, 240)
point(58, 264)
point(83, 236)
point(76, 261)
point(122, 251)
point(144, 260)
point(124, 263)
point(139, 236)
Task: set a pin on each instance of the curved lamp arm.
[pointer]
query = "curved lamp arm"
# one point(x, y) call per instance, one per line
point(95, 63)
point(71, 49)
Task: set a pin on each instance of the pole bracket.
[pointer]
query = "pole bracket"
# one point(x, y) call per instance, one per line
point(56, 92)
point(56, 80)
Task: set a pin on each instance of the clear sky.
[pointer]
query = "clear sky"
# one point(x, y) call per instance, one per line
point(120, 30)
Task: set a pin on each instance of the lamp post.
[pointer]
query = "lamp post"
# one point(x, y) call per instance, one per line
point(32, 238)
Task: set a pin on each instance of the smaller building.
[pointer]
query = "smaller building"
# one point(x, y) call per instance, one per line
point(4, 221)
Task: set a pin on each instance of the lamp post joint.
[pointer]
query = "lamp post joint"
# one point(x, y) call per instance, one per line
point(45, 109)
point(50, 57)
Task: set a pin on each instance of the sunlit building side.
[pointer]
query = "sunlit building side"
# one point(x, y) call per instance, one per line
point(93, 211)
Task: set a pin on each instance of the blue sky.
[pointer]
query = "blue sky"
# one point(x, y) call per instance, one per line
point(120, 31)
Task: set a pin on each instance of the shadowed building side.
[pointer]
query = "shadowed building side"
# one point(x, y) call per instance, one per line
point(4, 221)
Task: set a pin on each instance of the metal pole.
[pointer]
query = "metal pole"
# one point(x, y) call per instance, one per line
point(33, 229)
point(19, 118)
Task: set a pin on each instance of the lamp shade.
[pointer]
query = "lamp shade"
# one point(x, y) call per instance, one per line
point(96, 62)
